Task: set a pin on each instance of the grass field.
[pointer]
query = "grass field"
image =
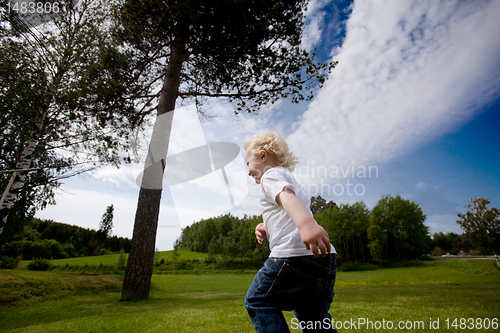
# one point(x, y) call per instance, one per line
point(414, 296)
point(112, 259)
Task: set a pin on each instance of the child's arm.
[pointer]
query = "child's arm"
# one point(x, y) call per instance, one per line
point(314, 237)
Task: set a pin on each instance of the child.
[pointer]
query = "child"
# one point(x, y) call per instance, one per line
point(300, 272)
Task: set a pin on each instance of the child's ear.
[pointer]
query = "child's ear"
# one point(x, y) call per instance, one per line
point(263, 155)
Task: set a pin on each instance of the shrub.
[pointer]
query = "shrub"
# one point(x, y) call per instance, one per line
point(39, 264)
point(438, 251)
point(122, 260)
point(69, 249)
point(104, 252)
point(356, 266)
point(474, 253)
point(11, 249)
point(44, 248)
point(9, 262)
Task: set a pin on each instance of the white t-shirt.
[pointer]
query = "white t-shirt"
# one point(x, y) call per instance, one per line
point(282, 233)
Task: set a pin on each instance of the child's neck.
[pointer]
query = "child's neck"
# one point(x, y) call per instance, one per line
point(270, 162)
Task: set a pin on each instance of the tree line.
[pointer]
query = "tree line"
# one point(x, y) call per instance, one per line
point(393, 230)
point(52, 240)
point(225, 237)
point(452, 243)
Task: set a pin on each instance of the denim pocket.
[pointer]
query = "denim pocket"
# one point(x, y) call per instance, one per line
point(291, 284)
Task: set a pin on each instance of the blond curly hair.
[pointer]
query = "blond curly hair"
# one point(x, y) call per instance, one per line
point(275, 144)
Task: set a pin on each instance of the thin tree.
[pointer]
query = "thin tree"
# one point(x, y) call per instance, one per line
point(105, 228)
point(247, 52)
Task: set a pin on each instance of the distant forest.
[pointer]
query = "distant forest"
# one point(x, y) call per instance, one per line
point(392, 231)
point(225, 237)
point(53, 240)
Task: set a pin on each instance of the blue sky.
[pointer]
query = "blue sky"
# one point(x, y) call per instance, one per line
point(415, 97)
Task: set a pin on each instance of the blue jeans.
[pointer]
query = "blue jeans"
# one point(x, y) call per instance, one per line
point(301, 284)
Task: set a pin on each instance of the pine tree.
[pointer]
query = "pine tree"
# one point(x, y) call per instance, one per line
point(247, 52)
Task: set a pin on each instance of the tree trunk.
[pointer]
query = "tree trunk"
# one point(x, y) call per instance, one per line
point(16, 181)
point(137, 281)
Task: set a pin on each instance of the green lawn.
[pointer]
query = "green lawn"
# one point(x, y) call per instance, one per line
point(214, 303)
point(112, 259)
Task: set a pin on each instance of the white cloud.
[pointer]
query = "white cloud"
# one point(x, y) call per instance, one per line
point(432, 199)
point(322, 24)
point(84, 202)
point(85, 208)
point(314, 25)
point(186, 132)
point(409, 71)
point(443, 223)
point(225, 126)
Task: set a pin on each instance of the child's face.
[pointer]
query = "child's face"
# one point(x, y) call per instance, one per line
point(256, 164)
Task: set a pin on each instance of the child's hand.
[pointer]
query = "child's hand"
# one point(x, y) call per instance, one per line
point(315, 238)
point(260, 232)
